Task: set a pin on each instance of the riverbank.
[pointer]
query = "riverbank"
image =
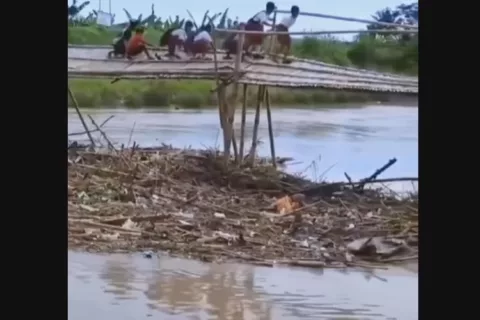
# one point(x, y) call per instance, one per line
point(368, 53)
point(196, 94)
point(187, 203)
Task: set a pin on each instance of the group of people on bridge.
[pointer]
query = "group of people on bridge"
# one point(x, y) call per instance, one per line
point(196, 43)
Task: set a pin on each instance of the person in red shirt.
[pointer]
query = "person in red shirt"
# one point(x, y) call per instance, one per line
point(137, 44)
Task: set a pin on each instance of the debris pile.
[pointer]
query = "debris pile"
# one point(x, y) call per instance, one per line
point(188, 203)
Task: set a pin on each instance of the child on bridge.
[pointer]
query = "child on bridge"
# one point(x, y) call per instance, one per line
point(176, 37)
point(285, 40)
point(120, 42)
point(256, 23)
point(137, 44)
point(202, 42)
point(231, 42)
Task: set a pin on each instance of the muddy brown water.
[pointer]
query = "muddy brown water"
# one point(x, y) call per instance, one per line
point(133, 287)
point(324, 142)
point(337, 140)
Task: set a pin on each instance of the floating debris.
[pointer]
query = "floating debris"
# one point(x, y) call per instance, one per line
point(148, 254)
point(188, 203)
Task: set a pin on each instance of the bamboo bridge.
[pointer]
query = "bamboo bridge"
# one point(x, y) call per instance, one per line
point(91, 62)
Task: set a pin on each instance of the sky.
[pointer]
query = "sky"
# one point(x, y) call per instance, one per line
point(244, 9)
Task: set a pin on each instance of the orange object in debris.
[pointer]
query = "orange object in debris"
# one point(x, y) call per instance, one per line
point(289, 204)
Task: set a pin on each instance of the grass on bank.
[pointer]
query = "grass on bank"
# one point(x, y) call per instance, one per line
point(192, 94)
point(366, 53)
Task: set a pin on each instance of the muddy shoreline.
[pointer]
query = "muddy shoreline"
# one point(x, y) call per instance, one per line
point(188, 203)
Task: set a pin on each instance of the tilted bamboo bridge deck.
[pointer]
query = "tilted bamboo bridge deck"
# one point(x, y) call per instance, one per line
point(88, 61)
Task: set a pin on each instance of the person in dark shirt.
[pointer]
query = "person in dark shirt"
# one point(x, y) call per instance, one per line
point(120, 42)
point(231, 42)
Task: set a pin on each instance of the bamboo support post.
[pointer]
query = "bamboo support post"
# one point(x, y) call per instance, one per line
point(238, 68)
point(239, 55)
point(221, 94)
point(242, 128)
point(253, 149)
point(270, 128)
point(82, 120)
point(217, 80)
point(231, 103)
point(222, 89)
point(234, 145)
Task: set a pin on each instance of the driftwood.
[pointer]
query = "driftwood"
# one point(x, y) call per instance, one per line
point(82, 120)
point(377, 172)
point(327, 189)
point(91, 131)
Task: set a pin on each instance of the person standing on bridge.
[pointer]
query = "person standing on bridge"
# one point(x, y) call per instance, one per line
point(138, 44)
point(256, 23)
point(285, 40)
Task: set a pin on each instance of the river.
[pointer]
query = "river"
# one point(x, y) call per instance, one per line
point(325, 143)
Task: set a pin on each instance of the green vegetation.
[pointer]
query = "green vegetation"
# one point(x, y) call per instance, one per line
point(100, 35)
point(192, 94)
point(385, 52)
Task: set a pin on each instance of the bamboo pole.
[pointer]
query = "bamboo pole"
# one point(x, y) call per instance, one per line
point(238, 67)
point(298, 33)
point(253, 149)
point(231, 104)
point(238, 58)
point(328, 16)
point(270, 128)
point(234, 145)
point(77, 109)
point(242, 128)
point(221, 94)
point(222, 89)
point(217, 80)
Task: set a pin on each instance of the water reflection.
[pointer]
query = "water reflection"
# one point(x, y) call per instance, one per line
point(357, 140)
point(223, 293)
point(181, 289)
point(119, 275)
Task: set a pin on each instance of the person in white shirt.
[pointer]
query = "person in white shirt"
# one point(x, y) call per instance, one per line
point(284, 40)
point(256, 23)
point(202, 42)
point(175, 37)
